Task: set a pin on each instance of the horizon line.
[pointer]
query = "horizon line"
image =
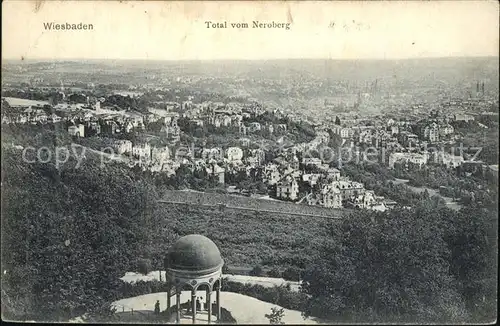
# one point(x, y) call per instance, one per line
point(262, 59)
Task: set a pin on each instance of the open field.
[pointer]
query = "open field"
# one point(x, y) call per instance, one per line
point(247, 238)
point(13, 101)
point(249, 203)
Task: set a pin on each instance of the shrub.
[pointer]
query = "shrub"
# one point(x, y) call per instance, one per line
point(143, 266)
point(128, 290)
point(291, 274)
point(275, 272)
point(275, 316)
point(257, 271)
point(279, 295)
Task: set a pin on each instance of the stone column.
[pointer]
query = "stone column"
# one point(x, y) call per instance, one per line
point(168, 297)
point(207, 298)
point(178, 305)
point(218, 302)
point(209, 302)
point(193, 303)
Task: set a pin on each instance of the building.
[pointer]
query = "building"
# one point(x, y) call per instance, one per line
point(311, 161)
point(331, 197)
point(221, 120)
point(343, 132)
point(362, 200)
point(209, 154)
point(430, 132)
point(407, 139)
point(271, 174)
point(236, 120)
point(216, 171)
point(447, 159)
point(142, 151)
point(77, 131)
point(171, 129)
point(110, 127)
point(123, 146)
point(54, 118)
point(348, 188)
point(93, 128)
point(87, 116)
point(168, 167)
point(160, 154)
point(257, 156)
point(234, 154)
point(193, 262)
point(394, 130)
point(311, 178)
point(295, 164)
point(323, 137)
point(287, 188)
point(7, 119)
point(152, 117)
point(170, 118)
point(244, 142)
point(288, 170)
point(198, 122)
point(445, 130)
point(333, 174)
point(183, 154)
point(463, 117)
point(254, 126)
point(365, 137)
point(38, 116)
point(128, 127)
point(270, 128)
point(414, 158)
point(280, 127)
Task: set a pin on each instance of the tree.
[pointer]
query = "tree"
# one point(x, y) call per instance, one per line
point(292, 274)
point(74, 253)
point(257, 271)
point(143, 266)
point(225, 269)
point(337, 120)
point(276, 315)
point(275, 272)
point(406, 253)
point(473, 258)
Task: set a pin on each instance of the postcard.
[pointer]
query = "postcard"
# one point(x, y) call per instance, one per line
point(241, 162)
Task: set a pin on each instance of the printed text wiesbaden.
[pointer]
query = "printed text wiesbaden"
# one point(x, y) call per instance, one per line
point(67, 26)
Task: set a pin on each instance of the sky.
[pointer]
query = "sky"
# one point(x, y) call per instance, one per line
point(177, 30)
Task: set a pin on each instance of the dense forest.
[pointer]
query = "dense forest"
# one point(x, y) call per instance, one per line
point(427, 264)
point(69, 234)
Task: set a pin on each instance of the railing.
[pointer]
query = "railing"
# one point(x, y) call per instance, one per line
point(123, 308)
point(126, 309)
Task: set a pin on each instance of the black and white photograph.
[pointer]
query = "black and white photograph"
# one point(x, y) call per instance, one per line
point(239, 162)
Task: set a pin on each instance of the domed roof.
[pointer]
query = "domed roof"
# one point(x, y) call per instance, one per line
point(194, 252)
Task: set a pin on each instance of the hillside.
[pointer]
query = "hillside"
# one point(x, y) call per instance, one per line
point(83, 227)
point(69, 234)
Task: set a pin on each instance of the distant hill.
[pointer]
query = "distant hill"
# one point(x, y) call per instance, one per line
point(445, 68)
